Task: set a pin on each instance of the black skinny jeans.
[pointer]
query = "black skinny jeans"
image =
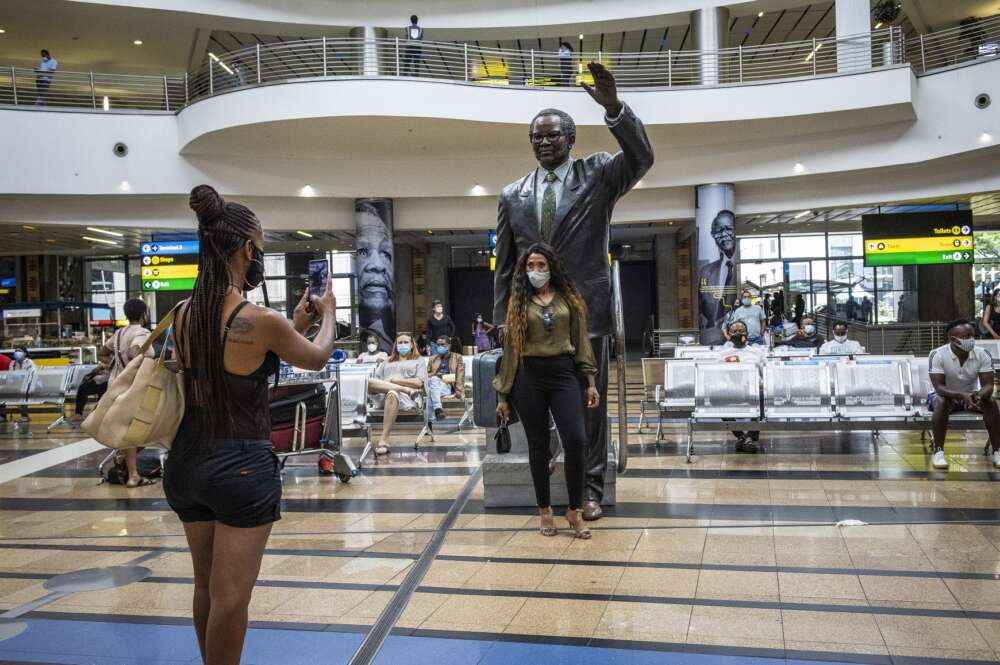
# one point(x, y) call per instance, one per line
point(86, 389)
point(552, 384)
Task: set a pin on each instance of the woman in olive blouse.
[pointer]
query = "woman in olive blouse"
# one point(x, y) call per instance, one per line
point(548, 365)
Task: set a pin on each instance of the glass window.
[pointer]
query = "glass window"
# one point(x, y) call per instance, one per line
point(106, 283)
point(795, 247)
point(845, 244)
point(341, 263)
point(277, 287)
point(764, 275)
point(759, 247)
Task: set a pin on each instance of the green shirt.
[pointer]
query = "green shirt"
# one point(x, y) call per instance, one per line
point(567, 337)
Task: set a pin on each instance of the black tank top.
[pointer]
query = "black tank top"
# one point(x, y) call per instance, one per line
point(248, 397)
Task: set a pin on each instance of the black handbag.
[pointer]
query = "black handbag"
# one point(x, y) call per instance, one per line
point(502, 437)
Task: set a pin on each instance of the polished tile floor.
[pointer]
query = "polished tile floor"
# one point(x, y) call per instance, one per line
point(733, 558)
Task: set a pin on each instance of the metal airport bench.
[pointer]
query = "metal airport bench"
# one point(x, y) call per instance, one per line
point(871, 393)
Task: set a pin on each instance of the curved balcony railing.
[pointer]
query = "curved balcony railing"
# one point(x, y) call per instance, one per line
point(469, 64)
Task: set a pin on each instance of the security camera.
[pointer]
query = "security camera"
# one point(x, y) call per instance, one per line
point(982, 100)
point(120, 149)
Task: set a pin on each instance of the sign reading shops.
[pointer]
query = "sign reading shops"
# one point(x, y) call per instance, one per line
point(169, 265)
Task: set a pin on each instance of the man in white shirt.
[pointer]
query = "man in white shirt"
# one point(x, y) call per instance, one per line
point(43, 77)
point(962, 376)
point(840, 345)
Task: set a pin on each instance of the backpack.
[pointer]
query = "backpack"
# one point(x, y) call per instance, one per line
point(114, 471)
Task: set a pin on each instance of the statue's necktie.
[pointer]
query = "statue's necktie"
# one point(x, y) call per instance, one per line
point(548, 206)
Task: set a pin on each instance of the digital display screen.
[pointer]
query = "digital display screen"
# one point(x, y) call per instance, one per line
point(169, 265)
point(919, 238)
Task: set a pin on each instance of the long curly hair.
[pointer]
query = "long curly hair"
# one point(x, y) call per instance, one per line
point(521, 291)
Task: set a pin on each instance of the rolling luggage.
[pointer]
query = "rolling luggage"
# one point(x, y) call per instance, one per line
point(281, 435)
point(484, 398)
point(283, 401)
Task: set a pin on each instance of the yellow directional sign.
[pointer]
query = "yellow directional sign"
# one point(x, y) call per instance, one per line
point(170, 272)
point(935, 244)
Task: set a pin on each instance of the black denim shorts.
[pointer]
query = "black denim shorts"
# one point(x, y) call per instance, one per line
point(236, 482)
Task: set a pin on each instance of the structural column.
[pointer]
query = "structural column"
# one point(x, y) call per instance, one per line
point(718, 261)
point(854, 39)
point(369, 50)
point(374, 270)
point(710, 31)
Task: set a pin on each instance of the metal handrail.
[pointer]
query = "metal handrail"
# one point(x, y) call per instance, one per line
point(324, 58)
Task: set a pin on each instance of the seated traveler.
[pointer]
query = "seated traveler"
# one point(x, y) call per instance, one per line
point(446, 370)
point(840, 345)
point(962, 376)
point(806, 336)
point(752, 316)
point(397, 385)
point(371, 354)
point(95, 383)
point(737, 350)
point(548, 366)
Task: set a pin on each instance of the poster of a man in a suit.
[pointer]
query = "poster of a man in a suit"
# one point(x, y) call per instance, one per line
point(717, 278)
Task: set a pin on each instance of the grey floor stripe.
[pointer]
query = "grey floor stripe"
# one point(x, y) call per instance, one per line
point(370, 646)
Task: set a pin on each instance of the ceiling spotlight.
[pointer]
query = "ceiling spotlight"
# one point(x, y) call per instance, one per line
point(105, 232)
point(106, 242)
point(760, 14)
point(799, 168)
point(802, 214)
point(478, 190)
point(138, 42)
point(985, 137)
point(304, 234)
point(124, 186)
point(307, 190)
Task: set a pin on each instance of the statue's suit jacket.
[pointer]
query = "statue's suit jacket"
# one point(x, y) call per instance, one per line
point(581, 225)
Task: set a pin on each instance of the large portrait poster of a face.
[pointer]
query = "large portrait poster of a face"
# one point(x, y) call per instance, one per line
point(373, 268)
point(717, 261)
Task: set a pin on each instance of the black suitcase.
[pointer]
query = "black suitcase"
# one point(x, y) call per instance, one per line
point(284, 398)
point(484, 398)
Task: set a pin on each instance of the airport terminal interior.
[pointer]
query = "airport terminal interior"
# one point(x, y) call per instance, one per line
point(718, 283)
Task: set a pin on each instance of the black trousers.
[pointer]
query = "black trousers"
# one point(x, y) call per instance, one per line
point(598, 431)
point(86, 389)
point(552, 384)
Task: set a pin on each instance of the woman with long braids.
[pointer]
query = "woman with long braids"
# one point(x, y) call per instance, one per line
point(221, 478)
point(548, 365)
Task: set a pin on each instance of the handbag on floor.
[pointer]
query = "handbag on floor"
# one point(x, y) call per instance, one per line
point(144, 405)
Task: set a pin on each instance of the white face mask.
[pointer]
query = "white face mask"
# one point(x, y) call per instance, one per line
point(404, 349)
point(746, 302)
point(966, 344)
point(372, 348)
point(809, 329)
point(539, 279)
point(840, 338)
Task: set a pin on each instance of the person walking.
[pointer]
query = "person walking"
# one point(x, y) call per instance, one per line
point(548, 366)
point(221, 478)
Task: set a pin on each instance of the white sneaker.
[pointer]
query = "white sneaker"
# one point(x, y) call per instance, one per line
point(996, 458)
point(938, 461)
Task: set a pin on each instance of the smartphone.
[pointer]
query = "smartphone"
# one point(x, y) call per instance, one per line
point(319, 269)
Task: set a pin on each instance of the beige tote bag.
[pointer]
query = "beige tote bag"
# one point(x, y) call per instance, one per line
point(144, 405)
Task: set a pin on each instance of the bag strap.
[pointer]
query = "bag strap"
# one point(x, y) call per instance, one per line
point(116, 340)
point(229, 322)
point(159, 331)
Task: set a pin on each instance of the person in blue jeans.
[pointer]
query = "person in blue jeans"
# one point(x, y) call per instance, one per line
point(751, 315)
point(445, 376)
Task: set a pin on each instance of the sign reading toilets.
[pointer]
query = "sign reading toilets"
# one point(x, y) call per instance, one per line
point(717, 258)
point(373, 269)
point(169, 266)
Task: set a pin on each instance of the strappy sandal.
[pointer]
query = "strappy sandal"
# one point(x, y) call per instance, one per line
point(382, 449)
point(143, 482)
point(548, 523)
point(575, 519)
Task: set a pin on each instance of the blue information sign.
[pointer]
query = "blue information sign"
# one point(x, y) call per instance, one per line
point(170, 248)
point(493, 239)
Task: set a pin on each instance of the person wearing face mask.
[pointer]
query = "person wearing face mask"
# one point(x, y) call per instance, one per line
point(222, 478)
point(116, 353)
point(840, 345)
point(371, 354)
point(548, 367)
point(961, 374)
point(446, 370)
point(22, 361)
point(481, 333)
point(751, 316)
point(43, 77)
point(806, 336)
point(738, 349)
point(397, 385)
point(438, 324)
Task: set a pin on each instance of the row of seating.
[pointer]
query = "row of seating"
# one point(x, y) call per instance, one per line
point(42, 386)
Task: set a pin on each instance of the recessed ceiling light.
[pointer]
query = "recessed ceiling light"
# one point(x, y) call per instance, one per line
point(985, 137)
point(307, 190)
point(124, 186)
point(2, 31)
point(137, 42)
point(106, 242)
point(304, 234)
point(760, 14)
point(799, 168)
point(105, 232)
point(478, 190)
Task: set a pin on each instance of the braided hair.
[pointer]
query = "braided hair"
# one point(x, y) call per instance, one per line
point(522, 290)
point(223, 228)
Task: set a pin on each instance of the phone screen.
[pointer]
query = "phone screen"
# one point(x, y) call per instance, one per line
point(318, 271)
